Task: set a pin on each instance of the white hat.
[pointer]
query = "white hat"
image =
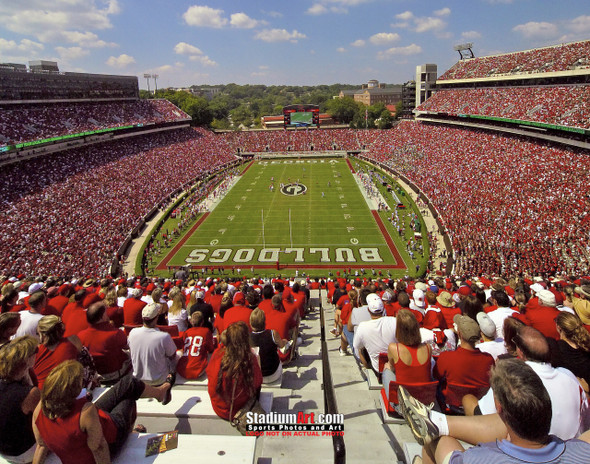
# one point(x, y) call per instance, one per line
point(418, 296)
point(537, 288)
point(35, 286)
point(150, 311)
point(375, 303)
point(547, 298)
point(486, 325)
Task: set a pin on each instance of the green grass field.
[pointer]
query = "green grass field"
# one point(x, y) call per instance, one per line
point(328, 228)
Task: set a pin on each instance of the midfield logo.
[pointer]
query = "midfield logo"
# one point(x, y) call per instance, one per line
point(293, 189)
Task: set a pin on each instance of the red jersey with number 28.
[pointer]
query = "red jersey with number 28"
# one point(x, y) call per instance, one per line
point(198, 343)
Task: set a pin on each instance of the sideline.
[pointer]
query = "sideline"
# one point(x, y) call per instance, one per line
point(207, 205)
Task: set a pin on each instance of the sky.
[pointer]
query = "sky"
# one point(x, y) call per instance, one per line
point(277, 42)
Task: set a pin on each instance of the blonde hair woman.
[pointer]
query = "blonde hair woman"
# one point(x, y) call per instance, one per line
point(54, 348)
point(18, 398)
point(177, 314)
point(82, 432)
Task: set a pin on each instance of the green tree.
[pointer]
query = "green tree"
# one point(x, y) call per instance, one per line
point(343, 110)
point(242, 115)
point(198, 109)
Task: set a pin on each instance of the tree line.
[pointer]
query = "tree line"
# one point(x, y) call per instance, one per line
point(233, 106)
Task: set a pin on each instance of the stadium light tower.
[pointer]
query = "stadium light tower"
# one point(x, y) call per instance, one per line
point(147, 78)
point(155, 76)
point(466, 47)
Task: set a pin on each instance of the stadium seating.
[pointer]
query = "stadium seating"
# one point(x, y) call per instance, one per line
point(25, 123)
point(508, 204)
point(69, 213)
point(559, 105)
point(541, 60)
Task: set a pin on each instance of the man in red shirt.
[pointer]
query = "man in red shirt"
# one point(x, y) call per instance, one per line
point(106, 344)
point(238, 312)
point(542, 316)
point(466, 365)
point(132, 308)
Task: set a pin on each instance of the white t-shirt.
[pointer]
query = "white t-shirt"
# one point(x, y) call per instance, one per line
point(180, 320)
point(375, 336)
point(495, 347)
point(569, 404)
point(359, 315)
point(150, 350)
point(28, 324)
point(497, 316)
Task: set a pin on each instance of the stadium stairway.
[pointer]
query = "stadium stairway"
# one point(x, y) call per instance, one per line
point(367, 438)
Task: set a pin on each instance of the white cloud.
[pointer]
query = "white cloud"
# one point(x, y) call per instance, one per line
point(429, 23)
point(71, 53)
point(121, 61)
point(273, 14)
point(442, 12)
point(341, 50)
point(559, 31)
point(279, 35)
point(25, 47)
point(58, 20)
point(204, 60)
point(425, 23)
point(470, 35)
point(383, 38)
point(317, 9)
point(358, 43)
point(579, 25)
point(243, 21)
point(182, 48)
point(412, 49)
point(84, 39)
point(405, 16)
point(537, 30)
point(204, 16)
point(193, 53)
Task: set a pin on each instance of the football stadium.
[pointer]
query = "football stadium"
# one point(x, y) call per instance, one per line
point(361, 295)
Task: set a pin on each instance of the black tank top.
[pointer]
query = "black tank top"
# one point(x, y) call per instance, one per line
point(16, 428)
point(267, 350)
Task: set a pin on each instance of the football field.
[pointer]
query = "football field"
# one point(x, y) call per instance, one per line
point(300, 215)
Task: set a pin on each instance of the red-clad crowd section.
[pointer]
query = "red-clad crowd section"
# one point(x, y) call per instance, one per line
point(540, 60)
point(25, 123)
point(559, 105)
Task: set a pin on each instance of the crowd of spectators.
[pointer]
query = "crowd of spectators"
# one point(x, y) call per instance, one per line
point(540, 60)
point(449, 324)
point(559, 105)
point(508, 204)
point(25, 123)
point(295, 140)
point(70, 212)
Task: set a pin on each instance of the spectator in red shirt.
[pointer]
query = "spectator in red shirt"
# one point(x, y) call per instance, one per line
point(198, 343)
point(466, 365)
point(106, 344)
point(447, 307)
point(132, 308)
point(233, 373)
point(542, 316)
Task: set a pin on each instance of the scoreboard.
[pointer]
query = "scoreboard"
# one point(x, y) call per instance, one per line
point(301, 116)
